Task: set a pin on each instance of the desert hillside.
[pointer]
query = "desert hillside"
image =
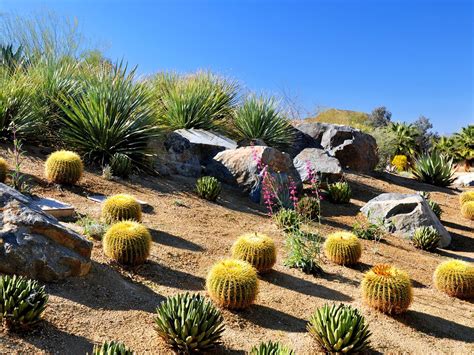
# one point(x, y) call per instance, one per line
point(343, 117)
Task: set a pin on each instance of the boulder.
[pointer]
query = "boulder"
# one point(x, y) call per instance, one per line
point(34, 244)
point(242, 166)
point(464, 180)
point(401, 214)
point(189, 149)
point(354, 149)
point(328, 168)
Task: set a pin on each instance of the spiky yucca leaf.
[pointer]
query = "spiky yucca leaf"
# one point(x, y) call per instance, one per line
point(112, 348)
point(434, 168)
point(189, 323)
point(271, 348)
point(455, 278)
point(339, 329)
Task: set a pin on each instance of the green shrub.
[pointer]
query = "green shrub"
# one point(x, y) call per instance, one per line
point(339, 192)
point(367, 230)
point(112, 348)
point(287, 220)
point(271, 348)
point(22, 302)
point(434, 169)
point(202, 100)
point(114, 115)
point(92, 228)
point(426, 238)
point(260, 118)
point(121, 165)
point(309, 208)
point(189, 323)
point(340, 329)
point(208, 187)
point(406, 138)
point(303, 250)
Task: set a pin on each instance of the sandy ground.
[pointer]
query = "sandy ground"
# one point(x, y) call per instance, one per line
point(190, 234)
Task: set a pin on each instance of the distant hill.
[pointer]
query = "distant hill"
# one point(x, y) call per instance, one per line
point(345, 117)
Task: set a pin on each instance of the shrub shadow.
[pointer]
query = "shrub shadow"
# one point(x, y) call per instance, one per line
point(457, 226)
point(174, 241)
point(271, 318)
point(304, 287)
point(413, 184)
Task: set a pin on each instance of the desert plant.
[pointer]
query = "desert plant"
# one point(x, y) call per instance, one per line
point(400, 162)
point(434, 169)
point(259, 118)
point(288, 220)
point(121, 207)
point(112, 348)
point(113, 115)
point(467, 210)
point(189, 324)
point(232, 284)
point(22, 302)
point(339, 192)
point(339, 329)
point(455, 278)
point(343, 248)
point(201, 100)
point(93, 228)
point(208, 187)
point(303, 251)
point(406, 137)
point(466, 196)
point(121, 165)
point(309, 208)
point(426, 238)
point(387, 146)
point(257, 249)
point(63, 167)
point(367, 230)
point(387, 289)
point(271, 348)
point(435, 207)
point(18, 180)
point(127, 242)
point(464, 143)
point(3, 170)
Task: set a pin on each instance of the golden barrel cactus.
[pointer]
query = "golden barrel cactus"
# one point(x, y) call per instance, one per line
point(3, 170)
point(232, 284)
point(466, 196)
point(121, 207)
point(467, 210)
point(257, 249)
point(343, 248)
point(63, 167)
point(455, 278)
point(387, 289)
point(127, 242)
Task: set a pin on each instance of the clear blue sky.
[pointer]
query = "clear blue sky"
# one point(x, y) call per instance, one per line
point(413, 56)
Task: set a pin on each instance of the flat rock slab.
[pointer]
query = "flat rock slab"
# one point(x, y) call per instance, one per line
point(34, 243)
point(54, 207)
point(201, 136)
point(402, 214)
point(102, 198)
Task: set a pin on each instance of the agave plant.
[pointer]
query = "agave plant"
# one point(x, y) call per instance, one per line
point(114, 115)
point(189, 323)
point(435, 169)
point(339, 329)
point(202, 100)
point(112, 348)
point(406, 135)
point(260, 118)
point(271, 348)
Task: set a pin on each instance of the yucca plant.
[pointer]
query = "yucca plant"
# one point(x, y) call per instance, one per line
point(189, 323)
point(208, 187)
point(271, 348)
point(201, 100)
point(261, 118)
point(113, 115)
point(112, 348)
point(340, 329)
point(22, 302)
point(435, 169)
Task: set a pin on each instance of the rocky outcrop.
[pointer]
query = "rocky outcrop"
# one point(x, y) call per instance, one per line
point(319, 161)
point(401, 214)
point(241, 166)
point(35, 244)
point(354, 149)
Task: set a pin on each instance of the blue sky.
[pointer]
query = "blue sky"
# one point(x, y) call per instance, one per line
point(413, 56)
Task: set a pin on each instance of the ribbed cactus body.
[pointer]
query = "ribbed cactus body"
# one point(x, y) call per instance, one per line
point(455, 278)
point(63, 167)
point(257, 249)
point(127, 242)
point(3, 170)
point(343, 248)
point(121, 207)
point(466, 196)
point(467, 210)
point(232, 284)
point(387, 289)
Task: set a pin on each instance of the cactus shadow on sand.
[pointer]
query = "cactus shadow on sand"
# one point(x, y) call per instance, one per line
point(271, 318)
point(174, 241)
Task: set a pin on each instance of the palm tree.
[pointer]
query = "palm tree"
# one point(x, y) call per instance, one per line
point(464, 145)
point(406, 135)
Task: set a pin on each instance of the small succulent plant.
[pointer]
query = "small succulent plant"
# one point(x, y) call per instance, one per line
point(121, 165)
point(257, 249)
point(339, 192)
point(426, 238)
point(455, 278)
point(465, 197)
point(309, 207)
point(189, 323)
point(339, 329)
point(343, 248)
point(288, 220)
point(112, 348)
point(271, 348)
point(208, 187)
point(467, 210)
point(63, 167)
point(121, 207)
